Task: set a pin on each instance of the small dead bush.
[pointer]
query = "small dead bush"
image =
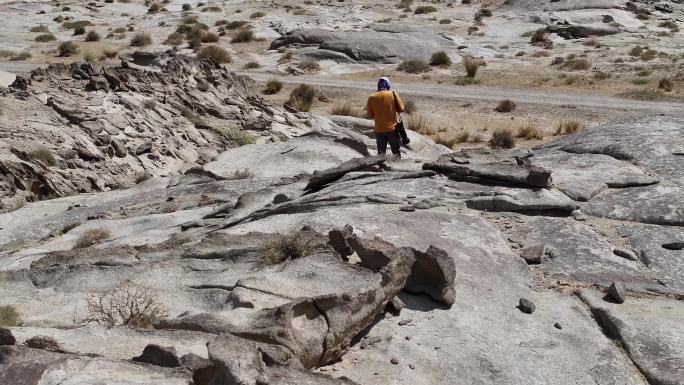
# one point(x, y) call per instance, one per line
point(505, 106)
point(666, 84)
point(243, 36)
point(242, 174)
point(309, 65)
point(423, 9)
point(131, 305)
point(175, 39)
point(44, 38)
point(21, 56)
point(643, 94)
point(44, 155)
point(557, 60)
point(92, 36)
point(9, 316)
point(149, 104)
point(529, 131)
point(76, 24)
point(92, 237)
point(109, 53)
point(80, 30)
point(540, 37)
point(303, 97)
point(216, 53)
point(240, 137)
point(288, 247)
point(649, 54)
point(209, 37)
point(345, 110)
point(576, 64)
point(669, 24)
point(636, 51)
point(569, 126)
point(471, 65)
point(68, 48)
point(273, 86)
point(237, 24)
point(420, 124)
point(252, 65)
point(440, 59)
point(40, 28)
point(410, 106)
point(141, 40)
point(502, 138)
point(414, 66)
point(257, 15)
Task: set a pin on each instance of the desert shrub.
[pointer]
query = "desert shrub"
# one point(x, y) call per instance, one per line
point(505, 105)
point(471, 65)
point(141, 40)
point(445, 21)
point(666, 84)
point(636, 51)
point(209, 37)
point(243, 36)
point(665, 24)
point(482, 13)
point(345, 109)
point(239, 136)
point(640, 81)
point(502, 138)
point(154, 8)
point(540, 37)
point(446, 138)
point(92, 36)
point(221, 22)
point(21, 56)
point(130, 305)
point(309, 65)
point(89, 57)
point(119, 30)
point(257, 15)
point(216, 53)
point(405, 3)
point(6, 53)
point(91, 237)
point(76, 24)
point(236, 24)
point(187, 7)
point(66, 9)
point(44, 38)
point(175, 39)
point(80, 30)
point(44, 155)
point(465, 81)
point(641, 15)
point(643, 94)
point(557, 60)
point(252, 65)
point(529, 131)
point(109, 53)
point(40, 28)
point(410, 106)
point(440, 59)
point(9, 316)
point(273, 86)
point(541, 54)
point(520, 53)
point(601, 75)
point(420, 124)
point(149, 104)
point(649, 54)
point(68, 48)
point(244, 173)
point(424, 9)
point(569, 126)
point(303, 97)
point(414, 66)
point(288, 247)
point(576, 64)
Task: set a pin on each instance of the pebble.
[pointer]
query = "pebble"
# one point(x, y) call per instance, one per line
point(408, 338)
point(407, 208)
point(557, 325)
point(404, 322)
point(412, 367)
point(394, 361)
point(438, 347)
point(527, 306)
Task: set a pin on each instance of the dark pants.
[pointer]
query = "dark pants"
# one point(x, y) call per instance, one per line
point(382, 138)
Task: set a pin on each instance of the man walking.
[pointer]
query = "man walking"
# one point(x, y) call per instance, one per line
point(383, 107)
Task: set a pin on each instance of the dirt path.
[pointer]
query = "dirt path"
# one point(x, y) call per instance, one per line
point(488, 93)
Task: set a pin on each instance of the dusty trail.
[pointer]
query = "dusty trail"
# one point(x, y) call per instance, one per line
point(488, 93)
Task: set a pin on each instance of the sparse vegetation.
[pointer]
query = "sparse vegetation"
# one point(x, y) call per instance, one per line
point(636, 51)
point(540, 37)
point(44, 38)
point(288, 247)
point(243, 36)
point(252, 65)
point(465, 81)
point(569, 126)
point(109, 53)
point(666, 84)
point(68, 48)
point(212, 8)
point(273, 86)
point(529, 130)
point(76, 24)
point(471, 65)
point(244, 173)
point(414, 66)
point(502, 138)
point(91, 237)
point(9, 316)
point(40, 28)
point(309, 65)
point(239, 136)
point(130, 305)
point(506, 105)
point(141, 40)
point(92, 36)
point(154, 8)
point(410, 106)
point(187, 7)
point(671, 25)
point(423, 9)
point(405, 3)
point(149, 104)
point(557, 60)
point(576, 64)
point(303, 97)
point(643, 94)
point(420, 124)
point(257, 15)
point(21, 56)
point(216, 53)
point(440, 59)
point(80, 30)
point(175, 39)
point(345, 110)
point(236, 24)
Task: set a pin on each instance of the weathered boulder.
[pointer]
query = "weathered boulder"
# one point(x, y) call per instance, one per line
point(533, 253)
point(159, 355)
point(323, 177)
point(617, 291)
point(44, 343)
point(525, 175)
point(579, 30)
point(6, 337)
point(433, 273)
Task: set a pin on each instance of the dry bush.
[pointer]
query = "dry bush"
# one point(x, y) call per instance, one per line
point(309, 65)
point(175, 39)
point(209, 37)
point(21, 56)
point(44, 38)
point(109, 53)
point(303, 97)
point(216, 53)
point(423, 9)
point(288, 247)
point(273, 86)
point(405, 3)
point(445, 21)
point(154, 8)
point(141, 40)
point(92, 36)
point(666, 84)
point(76, 24)
point(601, 75)
point(39, 28)
point(44, 155)
point(345, 110)
point(540, 37)
point(643, 94)
point(471, 65)
point(505, 106)
point(502, 138)
point(410, 106)
point(420, 124)
point(237, 24)
point(465, 81)
point(541, 54)
point(243, 36)
point(245, 173)
point(130, 305)
point(68, 48)
point(9, 316)
point(665, 24)
point(213, 8)
point(557, 60)
point(91, 237)
point(239, 136)
point(257, 15)
point(649, 54)
point(187, 7)
point(636, 51)
point(440, 59)
point(149, 104)
point(529, 131)
point(252, 65)
point(447, 138)
point(414, 66)
point(576, 64)
point(89, 57)
point(142, 176)
point(569, 126)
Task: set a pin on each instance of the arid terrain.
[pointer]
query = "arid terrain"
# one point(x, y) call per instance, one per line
point(189, 193)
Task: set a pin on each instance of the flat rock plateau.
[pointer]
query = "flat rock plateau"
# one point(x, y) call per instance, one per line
point(189, 193)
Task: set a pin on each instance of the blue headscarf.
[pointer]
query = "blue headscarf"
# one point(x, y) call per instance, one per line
point(383, 84)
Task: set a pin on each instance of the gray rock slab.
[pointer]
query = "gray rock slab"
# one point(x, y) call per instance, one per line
point(651, 331)
point(323, 177)
point(661, 204)
point(533, 253)
point(617, 291)
point(648, 241)
point(525, 175)
point(512, 199)
point(581, 176)
point(580, 254)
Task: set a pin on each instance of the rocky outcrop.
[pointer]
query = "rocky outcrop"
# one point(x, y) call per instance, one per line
point(524, 175)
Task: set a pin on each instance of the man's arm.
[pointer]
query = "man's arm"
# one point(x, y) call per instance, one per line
point(369, 109)
point(400, 103)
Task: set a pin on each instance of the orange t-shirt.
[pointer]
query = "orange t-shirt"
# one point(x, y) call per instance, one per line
point(381, 107)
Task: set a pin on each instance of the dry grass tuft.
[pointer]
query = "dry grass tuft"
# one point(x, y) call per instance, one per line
point(303, 97)
point(288, 247)
point(569, 126)
point(529, 130)
point(502, 138)
point(68, 48)
point(92, 237)
point(471, 66)
point(345, 110)
point(44, 155)
point(414, 66)
point(141, 40)
point(9, 316)
point(242, 138)
point(505, 106)
point(420, 124)
point(576, 64)
point(243, 36)
point(273, 86)
point(216, 53)
point(309, 65)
